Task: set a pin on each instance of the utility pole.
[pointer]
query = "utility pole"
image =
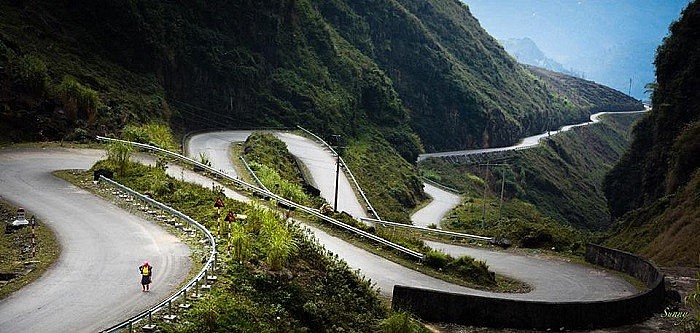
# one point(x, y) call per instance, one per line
point(503, 185)
point(629, 92)
point(486, 184)
point(337, 170)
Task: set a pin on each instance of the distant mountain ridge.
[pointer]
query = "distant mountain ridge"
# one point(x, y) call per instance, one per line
point(525, 51)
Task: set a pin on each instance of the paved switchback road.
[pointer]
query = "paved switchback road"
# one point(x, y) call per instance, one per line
point(552, 280)
point(528, 142)
point(441, 203)
point(319, 161)
point(95, 282)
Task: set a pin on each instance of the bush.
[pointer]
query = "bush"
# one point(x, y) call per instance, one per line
point(79, 102)
point(437, 259)
point(278, 242)
point(275, 183)
point(466, 267)
point(33, 72)
point(240, 242)
point(118, 155)
point(401, 322)
point(472, 270)
point(158, 135)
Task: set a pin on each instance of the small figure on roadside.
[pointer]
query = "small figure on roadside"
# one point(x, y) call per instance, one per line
point(146, 273)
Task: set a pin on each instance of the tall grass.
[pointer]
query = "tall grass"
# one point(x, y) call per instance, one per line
point(240, 242)
point(118, 155)
point(401, 322)
point(278, 242)
point(275, 183)
point(154, 134)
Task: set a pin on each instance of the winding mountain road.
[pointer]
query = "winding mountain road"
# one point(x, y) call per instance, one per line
point(551, 279)
point(319, 161)
point(95, 282)
point(440, 204)
point(528, 142)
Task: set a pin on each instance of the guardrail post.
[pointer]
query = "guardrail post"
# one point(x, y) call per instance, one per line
point(128, 324)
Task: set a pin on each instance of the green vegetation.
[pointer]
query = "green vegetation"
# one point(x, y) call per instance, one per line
point(401, 322)
point(118, 155)
point(562, 178)
point(517, 221)
point(79, 102)
point(463, 90)
point(692, 301)
point(17, 265)
point(585, 94)
point(282, 187)
point(653, 190)
point(276, 168)
point(391, 183)
point(395, 74)
point(155, 134)
point(268, 149)
point(464, 266)
point(275, 275)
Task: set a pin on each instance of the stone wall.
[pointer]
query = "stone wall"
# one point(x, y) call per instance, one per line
point(440, 306)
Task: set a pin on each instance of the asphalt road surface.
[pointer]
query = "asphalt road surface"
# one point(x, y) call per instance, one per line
point(95, 283)
point(552, 280)
point(319, 161)
point(528, 142)
point(440, 204)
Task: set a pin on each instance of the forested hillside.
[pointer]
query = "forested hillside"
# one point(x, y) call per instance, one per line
point(403, 75)
point(561, 179)
point(655, 189)
point(333, 66)
point(462, 88)
point(585, 94)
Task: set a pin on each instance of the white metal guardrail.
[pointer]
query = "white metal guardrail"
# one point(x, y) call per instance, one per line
point(440, 186)
point(209, 266)
point(257, 190)
point(430, 230)
point(345, 167)
point(255, 177)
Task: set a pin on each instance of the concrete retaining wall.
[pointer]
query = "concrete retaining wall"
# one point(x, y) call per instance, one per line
point(439, 306)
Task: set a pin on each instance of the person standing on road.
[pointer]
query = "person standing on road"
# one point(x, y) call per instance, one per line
point(146, 273)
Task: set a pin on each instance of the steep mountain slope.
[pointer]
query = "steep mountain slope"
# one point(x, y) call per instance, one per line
point(461, 86)
point(585, 94)
point(213, 64)
point(562, 178)
point(402, 75)
point(332, 66)
point(655, 188)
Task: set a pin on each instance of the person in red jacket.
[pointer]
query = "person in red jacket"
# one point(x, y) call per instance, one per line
point(146, 273)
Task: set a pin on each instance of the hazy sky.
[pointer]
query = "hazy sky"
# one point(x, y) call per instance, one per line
point(610, 41)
